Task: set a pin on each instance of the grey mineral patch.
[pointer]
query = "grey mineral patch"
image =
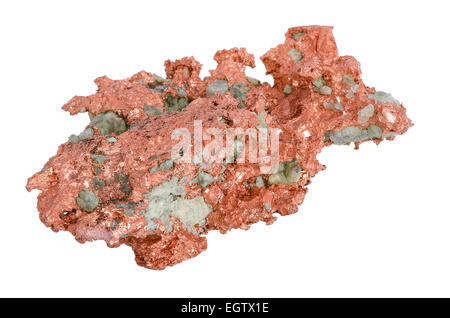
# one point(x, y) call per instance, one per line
point(98, 158)
point(320, 86)
point(239, 90)
point(159, 79)
point(254, 81)
point(339, 106)
point(128, 207)
point(298, 35)
point(204, 179)
point(351, 93)
point(155, 156)
point(325, 90)
point(181, 92)
point(115, 222)
point(259, 182)
point(319, 82)
point(287, 90)
point(111, 139)
point(241, 105)
point(98, 183)
point(125, 186)
point(334, 105)
point(346, 135)
point(353, 134)
point(97, 170)
point(286, 173)
point(159, 88)
point(151, 225)
point(390, 134)
point(87, 200)
point(73, 138)
point(296, 55)
point(382, 97)
point(219, 87)
point(191, 212)
point(168, 199)
point(163, 166)
point(374, 131)
point(109, 123)
point(153, 110)
point(175, 103)
point(160, 199)
point(365, 114)
point(87, 133)
point(348, 79)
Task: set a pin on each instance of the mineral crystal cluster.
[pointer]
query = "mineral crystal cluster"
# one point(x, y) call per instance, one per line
point(119, 181)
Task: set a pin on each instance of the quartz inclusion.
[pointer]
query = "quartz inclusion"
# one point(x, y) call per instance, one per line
point(116, 180)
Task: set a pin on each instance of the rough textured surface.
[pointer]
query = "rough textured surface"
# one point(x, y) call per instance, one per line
point(117, 180)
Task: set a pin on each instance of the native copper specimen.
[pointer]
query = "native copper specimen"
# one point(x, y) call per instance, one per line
point(118, 180)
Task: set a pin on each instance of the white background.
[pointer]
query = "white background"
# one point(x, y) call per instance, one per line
point(375, 223)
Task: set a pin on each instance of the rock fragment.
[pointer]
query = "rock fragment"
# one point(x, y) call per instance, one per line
point(137, 187)
point(87, 200)
point(382, 97)
point(286, 173)
point(217, 87)
point(173, 103)
point(239, 91)
point(109, 123)
point(365, 114)
point(353, 134)
point(153, 110)
point(296, 55)
point(85, 134)
point(321, 86)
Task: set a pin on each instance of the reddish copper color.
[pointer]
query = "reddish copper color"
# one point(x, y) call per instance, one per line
point(303, 111)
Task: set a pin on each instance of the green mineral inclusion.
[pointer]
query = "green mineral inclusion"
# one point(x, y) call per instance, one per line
point(220, 87)
point(87, 200)
point(164, 166)
point(98, 158)
point(205, 179)
point(168, 199)
point(153, 110)
point(286, 173)
point(353, 134)
point(239, 91)
point(172, 103)
point(296, 55)
point(109, 123)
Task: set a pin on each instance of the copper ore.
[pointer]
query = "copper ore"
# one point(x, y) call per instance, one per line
point(118, 182)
